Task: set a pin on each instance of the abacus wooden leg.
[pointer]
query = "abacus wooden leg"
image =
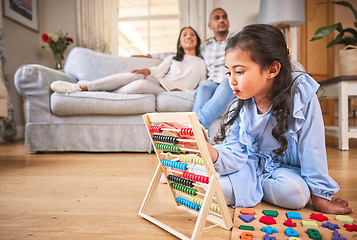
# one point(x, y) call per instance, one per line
point(148, 197)
point(226, 217)
point(202, 216)
point(152, 188)
point(226, 223)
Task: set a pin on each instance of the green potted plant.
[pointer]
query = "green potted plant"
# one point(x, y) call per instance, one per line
point(346, 37)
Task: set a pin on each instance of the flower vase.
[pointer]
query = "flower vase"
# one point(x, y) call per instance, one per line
point(59, 61)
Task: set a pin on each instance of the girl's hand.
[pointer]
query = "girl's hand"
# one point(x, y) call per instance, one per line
point(144, 71)
point(192, 145)
point(178, 126)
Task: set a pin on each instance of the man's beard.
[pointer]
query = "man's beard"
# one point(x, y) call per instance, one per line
point(223, 32)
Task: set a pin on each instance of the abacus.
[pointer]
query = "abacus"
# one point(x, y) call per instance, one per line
point(199, 195)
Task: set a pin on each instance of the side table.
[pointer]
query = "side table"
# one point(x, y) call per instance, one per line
point(342, 88)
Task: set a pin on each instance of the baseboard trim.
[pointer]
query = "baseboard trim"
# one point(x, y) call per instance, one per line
point(20, 132)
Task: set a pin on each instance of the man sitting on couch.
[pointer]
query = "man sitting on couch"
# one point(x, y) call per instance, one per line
point(214, 95)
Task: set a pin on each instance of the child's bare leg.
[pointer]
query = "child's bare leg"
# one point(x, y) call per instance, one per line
point(335, 206)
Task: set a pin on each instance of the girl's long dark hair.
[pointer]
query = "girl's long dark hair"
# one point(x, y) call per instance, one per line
point(179, 50)
point(266, 45)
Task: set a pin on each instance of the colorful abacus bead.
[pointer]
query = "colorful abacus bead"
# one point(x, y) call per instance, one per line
point(173, 164)
point(195, 177)
point(164, 138)
point(186, 131)
point(191, 159)
point(215, 207)
point(188, 203)
point(180, 180)
point(184, 189)
point(199, 201)
point(155, 129)
point(168, 155)
point(168, 147)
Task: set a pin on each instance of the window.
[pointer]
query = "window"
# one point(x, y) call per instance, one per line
point(148, 26)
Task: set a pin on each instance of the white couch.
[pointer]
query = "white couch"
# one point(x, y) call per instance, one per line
point(90, 121)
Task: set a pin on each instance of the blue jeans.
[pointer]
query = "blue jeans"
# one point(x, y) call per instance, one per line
point(212, 100)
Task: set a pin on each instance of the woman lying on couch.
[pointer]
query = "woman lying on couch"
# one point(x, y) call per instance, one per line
point(183, 71)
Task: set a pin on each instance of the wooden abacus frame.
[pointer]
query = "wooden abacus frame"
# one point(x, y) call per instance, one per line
point(213, 189)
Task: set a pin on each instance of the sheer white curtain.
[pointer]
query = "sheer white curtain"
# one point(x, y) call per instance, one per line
point(194, 13)
point(97, 25)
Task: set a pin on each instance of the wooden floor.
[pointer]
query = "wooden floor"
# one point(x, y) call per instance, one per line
point(98, 196)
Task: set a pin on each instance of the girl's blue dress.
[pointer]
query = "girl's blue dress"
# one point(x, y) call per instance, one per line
point(247, 157)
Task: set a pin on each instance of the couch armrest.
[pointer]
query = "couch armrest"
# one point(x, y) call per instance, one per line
point(33, 82)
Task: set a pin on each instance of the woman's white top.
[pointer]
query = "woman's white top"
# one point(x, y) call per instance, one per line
point(184, 75)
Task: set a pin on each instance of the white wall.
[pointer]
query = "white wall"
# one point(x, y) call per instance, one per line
point(345, 16)
point(57, 15)
point(240, 13)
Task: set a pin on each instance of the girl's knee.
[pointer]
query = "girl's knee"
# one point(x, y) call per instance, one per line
point(227, 190)
point(295, 197)
point(287, 190)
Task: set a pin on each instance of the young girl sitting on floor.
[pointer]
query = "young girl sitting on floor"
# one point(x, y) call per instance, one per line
point(273, 142)
point(184, 71)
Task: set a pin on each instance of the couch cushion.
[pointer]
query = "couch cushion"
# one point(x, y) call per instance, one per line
point(90, 103)
point(86, 64)
point(180, 101)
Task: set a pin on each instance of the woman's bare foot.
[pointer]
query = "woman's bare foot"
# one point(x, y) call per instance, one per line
point(335, 206)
